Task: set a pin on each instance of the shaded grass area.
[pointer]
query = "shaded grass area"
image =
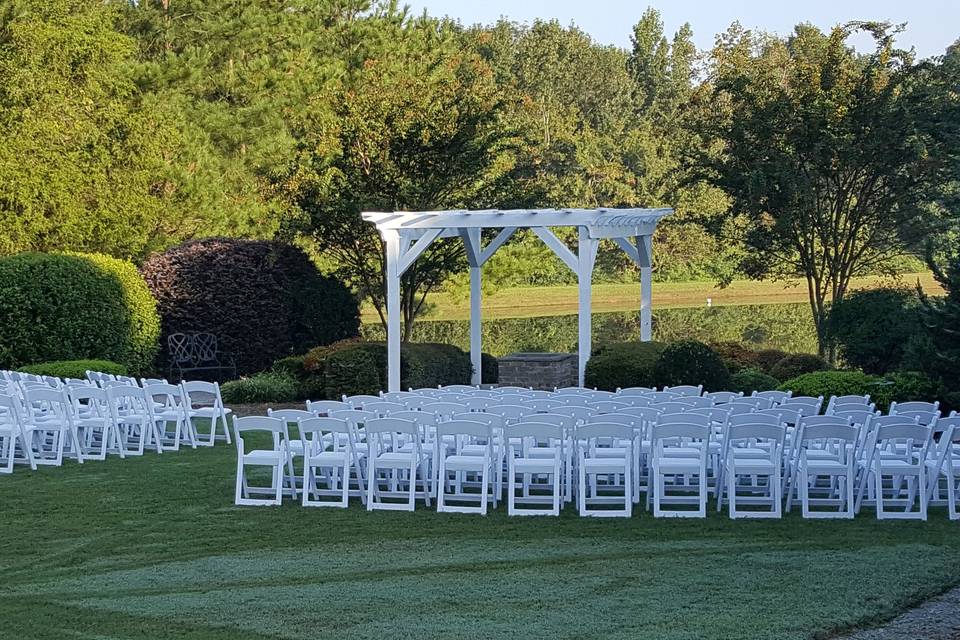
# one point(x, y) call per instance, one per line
point(525, 302)
point(153, 548)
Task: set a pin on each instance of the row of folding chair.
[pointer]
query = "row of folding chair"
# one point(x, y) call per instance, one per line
point(43, 421)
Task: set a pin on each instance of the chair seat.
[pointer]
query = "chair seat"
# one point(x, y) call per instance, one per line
point(753, 466)
point(328, 458)
point(464, 463)
point(263, 456)
point(395, 459)
point(606, 465)
point(533, 465)
point(679, 465)
point(895, 467)
point(208, 412)
point(825, 467)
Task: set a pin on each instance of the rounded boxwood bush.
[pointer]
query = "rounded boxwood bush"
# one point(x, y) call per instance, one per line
point(262, 387)
point(768, 358)
point(833, 383)
point(872, 328)
point(691, 362)
point(623, 364)
point(797, 364)
point(750, 380)
point(69, 307)
point(75, 368)
point(262, 299)
point(736, 356)
point(907, 386)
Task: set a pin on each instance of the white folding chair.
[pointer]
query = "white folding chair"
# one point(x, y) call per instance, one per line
point(96, 431)
point(540, 437)
point(479, 461)
point(323, 408)
point(359, 400)
point(48, 426)
point(679, 449)
point(274, 458)
point(945, 466)
point(204, 402)
point(383, 438)
point(825, 448)
point(328, 458)
point(169, 406)
point(131, 412)
point(898, 448)
point(12, 436)
point(753, 447)
point(776, 397)
point(605, 450)
point(722, 397)
point(685, 390)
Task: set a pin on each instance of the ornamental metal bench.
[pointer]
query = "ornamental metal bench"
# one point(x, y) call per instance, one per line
point(198, 355)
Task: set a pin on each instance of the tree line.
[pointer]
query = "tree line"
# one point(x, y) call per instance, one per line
point(127, 127)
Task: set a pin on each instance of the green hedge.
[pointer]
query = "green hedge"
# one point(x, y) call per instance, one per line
point(832, 383)
point(872, 328)
point(351, 367)
point(74, 368)
point(797, 364)
point(691, 362)
point(623, 364)
point(262, 387)
point(57, 307)
point(750, 380)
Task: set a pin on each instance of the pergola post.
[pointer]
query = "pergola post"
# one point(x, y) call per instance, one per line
point(586, 256)
point(391, 239)
point(471, 240)
point(645, 262)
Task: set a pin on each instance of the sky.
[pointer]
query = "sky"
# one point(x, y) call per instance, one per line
point(932, 25)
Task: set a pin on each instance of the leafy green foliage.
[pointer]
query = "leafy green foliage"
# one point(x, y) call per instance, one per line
point(74, 368)
point(69, 307)
point(872, 328)
point(750, 380)
point(350, 367)
point(736, 356)
point(262, 299)
point(940, 351)
point(831, 158)
point(797, 364)
point(833, 383)
point(261, 387)
point(489, 369)
point(623, 364)
point(691, 362)
point(907, 386)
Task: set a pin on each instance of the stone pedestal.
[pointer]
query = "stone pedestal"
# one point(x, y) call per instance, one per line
point(538, 370)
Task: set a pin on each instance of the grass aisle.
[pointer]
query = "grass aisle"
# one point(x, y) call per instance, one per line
point(153, 548)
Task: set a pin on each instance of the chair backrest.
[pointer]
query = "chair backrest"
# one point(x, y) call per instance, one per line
point(756, 431)
point(663, 396)
point(669, 407)
point(39, 400)
point(468, 388)
point(696, 402)
point(595, 430)
point(616, 418)
point(318, 426)
point(169, 392)
point(777, 397)
point(686, 390)
point(721, 397)
point(397, 396)
point(353, 416)
point(647, 414)
point(683, 430)
point(841, 407)
point(718, 415)
point(765, 419)
point(539, 431)
point(392, 425)
point(490, 419)
point(290, 415)
point(574, 400)
point(274, 426)
point(901, 407)
point(816, 428)
point(472, 428)
point(684, 418)
point(608, 406)
point(444, 409)
point(558, 419)
point(756, 402)
point(508, 389)
point(384, 408)
point(359, 400)
point(420, 417)
point(634, 400)
point(510, 411)
point(806, 405)
point(325, 407)
point(415, 401)
point(84, 392)
point(922, 415)
point(515, 398)
point(478, 404)
point(636, 391)
point(543, 404)
point(576, 412)
point(905, 430)
point(201, 392)
point(856, 416)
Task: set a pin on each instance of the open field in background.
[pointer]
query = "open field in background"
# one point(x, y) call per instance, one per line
point(154, 548)
point(528, 302)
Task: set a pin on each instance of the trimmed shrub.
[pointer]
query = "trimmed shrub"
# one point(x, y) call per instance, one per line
point(350, 367)
point(74, 368)
point(736, 357)
point(872, 328)
point(489, 369)
point(833, 383)
point(623, 364)
point(56, 307)
point(691, 362)
point(907, 386)
point(262, 299)
point(750, 380)
point(768, 358)
point(797, 364)
point(262, 387)
point(309, 386)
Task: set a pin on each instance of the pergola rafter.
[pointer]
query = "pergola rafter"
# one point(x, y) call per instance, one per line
point(407, 234)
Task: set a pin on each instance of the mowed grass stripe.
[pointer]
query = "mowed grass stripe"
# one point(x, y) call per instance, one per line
point(153, 547)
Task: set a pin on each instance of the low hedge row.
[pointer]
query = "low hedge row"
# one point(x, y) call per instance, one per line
point(74, 368)
point(883, 390)
point(648, 364)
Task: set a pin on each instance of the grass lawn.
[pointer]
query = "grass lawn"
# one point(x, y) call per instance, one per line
point(154, 548)
point(524, 302)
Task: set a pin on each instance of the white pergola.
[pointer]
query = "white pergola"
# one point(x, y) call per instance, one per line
point(407, 234)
